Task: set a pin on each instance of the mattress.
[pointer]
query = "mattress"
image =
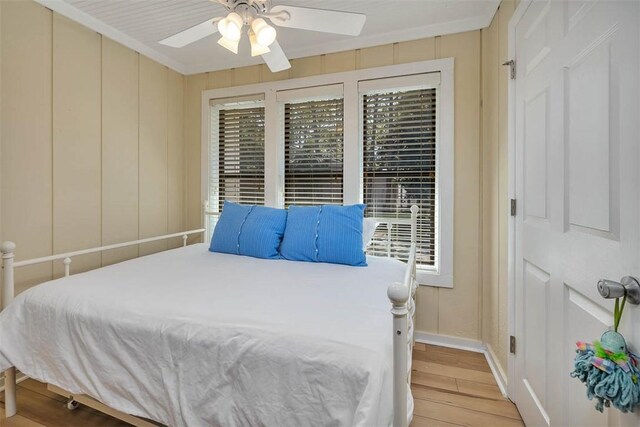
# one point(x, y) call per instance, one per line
point(187, 337)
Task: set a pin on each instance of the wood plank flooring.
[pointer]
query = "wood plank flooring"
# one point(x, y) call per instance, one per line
point(450, 388)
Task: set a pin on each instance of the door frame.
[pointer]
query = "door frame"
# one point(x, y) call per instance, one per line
point(512, 176)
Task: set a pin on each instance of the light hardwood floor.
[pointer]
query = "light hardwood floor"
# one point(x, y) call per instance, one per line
point(450, 388)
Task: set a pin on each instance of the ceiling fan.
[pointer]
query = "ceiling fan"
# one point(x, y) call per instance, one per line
point(262, 36)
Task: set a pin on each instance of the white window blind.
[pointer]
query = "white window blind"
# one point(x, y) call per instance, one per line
point(313, 152)
point(399, 166)
point(237, 154)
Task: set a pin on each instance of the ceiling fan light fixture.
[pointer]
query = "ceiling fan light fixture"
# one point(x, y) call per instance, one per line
point(256, 48)
point(231, 27)
point(265, 33)
point(231, 45)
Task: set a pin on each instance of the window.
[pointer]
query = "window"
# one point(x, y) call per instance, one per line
point(313, 156)
point(380, 136)
point(399, 166)
point(237, 154)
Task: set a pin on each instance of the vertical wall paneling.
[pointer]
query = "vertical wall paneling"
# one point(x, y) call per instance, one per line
point(175, 155)
point(463, 298)
point(377, 56)
point(153, 154)
point(195, 85)
point(341, 61)
point(304, 67)
point(218, 79)
point(76, 141)
point(495, 207)
point(489, 183)
point(26, 166)
point(119, 149)
point(69, 134)
point(507, 7)
point(246, 75)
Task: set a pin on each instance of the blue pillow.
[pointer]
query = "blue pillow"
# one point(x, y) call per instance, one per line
point(327, 233)
point(262, 232)
point(299, 240)
point(340, 235)
point(249, 230)
point(226, 236)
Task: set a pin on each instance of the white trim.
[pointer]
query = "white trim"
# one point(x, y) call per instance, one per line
point(312, 93)
point(75, 14)
point(349, 80)
point(213, 64)
point(511, 238)
point(496, 370)
point(441, 29)
point(467, 344)
point(411, 82)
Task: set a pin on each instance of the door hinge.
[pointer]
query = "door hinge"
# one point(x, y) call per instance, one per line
point(512, 344)
point(512, 68)
point(513, 207)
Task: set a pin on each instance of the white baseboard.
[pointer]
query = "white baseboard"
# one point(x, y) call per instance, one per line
point(496, 368)
point(448, 341)
point(19, 378)
point(468, 345)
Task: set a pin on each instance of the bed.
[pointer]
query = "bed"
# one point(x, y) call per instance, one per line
point(187, 337)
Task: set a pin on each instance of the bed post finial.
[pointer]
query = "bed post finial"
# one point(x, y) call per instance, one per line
point(7, 249)
point(398, 294)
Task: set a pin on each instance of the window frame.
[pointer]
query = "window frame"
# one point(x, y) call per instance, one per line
point(442, 274)
point(215, 107)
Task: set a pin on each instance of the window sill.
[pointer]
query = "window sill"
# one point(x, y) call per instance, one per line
point(434, 279)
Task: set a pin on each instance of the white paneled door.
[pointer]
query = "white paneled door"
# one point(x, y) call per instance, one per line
point(577, 185)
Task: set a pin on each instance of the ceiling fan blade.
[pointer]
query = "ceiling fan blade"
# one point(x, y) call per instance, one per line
point(326, 21)
point(192, 34)
point(276, 60)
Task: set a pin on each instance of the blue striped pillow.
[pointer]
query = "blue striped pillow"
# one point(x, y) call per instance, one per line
point(327, 233)
point(300, 234)
point(262, 232)
point(249, 230)
point(226, 236)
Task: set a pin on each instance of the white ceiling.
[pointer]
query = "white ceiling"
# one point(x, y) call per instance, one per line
point(139, 24)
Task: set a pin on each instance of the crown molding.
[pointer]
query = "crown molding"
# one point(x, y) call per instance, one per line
point(444, 28)
point(451, 27)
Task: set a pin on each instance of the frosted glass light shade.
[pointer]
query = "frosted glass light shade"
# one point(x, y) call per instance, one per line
point(265, 33)
point(231, 26)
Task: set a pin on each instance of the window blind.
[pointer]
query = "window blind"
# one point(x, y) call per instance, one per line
point(237, 170)
point(313, 151)
point(399, 167)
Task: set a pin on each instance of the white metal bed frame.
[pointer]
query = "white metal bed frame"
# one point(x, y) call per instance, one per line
point(401, 295)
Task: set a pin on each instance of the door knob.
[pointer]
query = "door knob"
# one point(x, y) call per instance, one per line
point(628, 285)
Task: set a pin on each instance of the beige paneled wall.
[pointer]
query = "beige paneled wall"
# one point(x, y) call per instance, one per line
point(26, 102)
point(92, 138)
point(454, 311)
point(77, 196)
point(495, 203)
point(153, 148)
point(120, 159)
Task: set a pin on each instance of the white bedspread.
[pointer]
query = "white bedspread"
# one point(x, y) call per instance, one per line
point(191, 338)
